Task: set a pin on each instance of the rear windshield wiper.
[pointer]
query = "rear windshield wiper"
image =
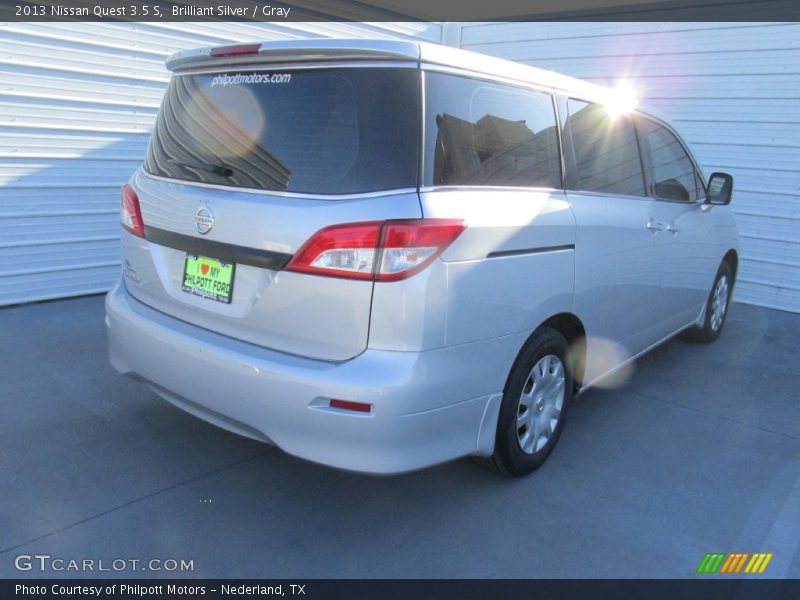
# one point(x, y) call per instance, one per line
point(221, 170)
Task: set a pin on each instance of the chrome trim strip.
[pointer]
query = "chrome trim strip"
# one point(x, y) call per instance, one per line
point(484, 188)
point(528, 251)
point(331, 197)
point(240, 255)
point(608, 195)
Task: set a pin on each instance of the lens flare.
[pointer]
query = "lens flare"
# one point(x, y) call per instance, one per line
point(621, 99)
point(609, 359)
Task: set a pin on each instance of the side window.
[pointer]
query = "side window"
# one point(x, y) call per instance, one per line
point(605, 149)
point(482, 133)
point(672, 173)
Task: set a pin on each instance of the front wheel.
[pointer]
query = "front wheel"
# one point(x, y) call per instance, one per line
point(716, 311)
point(534, 405)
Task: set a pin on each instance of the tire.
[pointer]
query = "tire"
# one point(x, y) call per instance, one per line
point(539, 385)
point(717, 305)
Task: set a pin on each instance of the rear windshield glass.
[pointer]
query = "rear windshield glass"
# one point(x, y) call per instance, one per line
point(329, 131)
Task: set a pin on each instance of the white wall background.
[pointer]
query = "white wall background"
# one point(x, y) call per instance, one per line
point(77, 101)
point(731, 89)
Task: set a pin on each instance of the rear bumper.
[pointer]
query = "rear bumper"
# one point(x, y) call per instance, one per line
point(427, 407)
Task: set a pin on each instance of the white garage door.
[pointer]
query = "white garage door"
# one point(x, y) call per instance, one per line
point(77, 101)
point(733, 91)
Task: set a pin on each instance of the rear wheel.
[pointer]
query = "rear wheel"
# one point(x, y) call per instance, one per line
point(716, 307)
point(534, 405)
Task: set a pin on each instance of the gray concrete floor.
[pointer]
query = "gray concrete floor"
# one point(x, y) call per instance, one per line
point(699, 452)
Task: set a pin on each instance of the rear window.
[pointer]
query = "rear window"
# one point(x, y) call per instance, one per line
point(321, 131)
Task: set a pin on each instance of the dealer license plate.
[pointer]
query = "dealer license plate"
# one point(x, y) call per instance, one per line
point(208, 278)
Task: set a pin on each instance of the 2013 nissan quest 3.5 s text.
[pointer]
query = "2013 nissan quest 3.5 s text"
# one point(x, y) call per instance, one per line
point(382, 255)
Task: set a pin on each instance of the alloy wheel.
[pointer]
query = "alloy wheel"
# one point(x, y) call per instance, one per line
point(540, 404)
point(719, 303)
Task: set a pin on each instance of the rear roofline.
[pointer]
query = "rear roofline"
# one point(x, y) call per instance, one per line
point(342, 50)
point(300, 51)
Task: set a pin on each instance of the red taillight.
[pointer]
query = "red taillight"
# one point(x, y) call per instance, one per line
point(130, 212)
point(238, 50)
point(354, 406)
point(407, 247)
point(376, 250)
point(340, 251)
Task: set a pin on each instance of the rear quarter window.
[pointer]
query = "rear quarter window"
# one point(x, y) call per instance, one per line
point(482, 133)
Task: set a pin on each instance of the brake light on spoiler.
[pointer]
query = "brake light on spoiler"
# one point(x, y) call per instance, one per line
point(376, 250)
point(238, 50)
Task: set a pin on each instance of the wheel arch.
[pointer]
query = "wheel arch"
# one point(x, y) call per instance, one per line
point(571, 327)
point(732, 258)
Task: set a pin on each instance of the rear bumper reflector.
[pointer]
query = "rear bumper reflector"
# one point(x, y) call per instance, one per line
point(240, 255)
point(354, 406)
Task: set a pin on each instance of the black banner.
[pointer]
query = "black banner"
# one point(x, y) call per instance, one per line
point(418, 589)
point(392, 10)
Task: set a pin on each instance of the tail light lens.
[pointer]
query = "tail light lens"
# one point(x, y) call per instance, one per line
point(130, 212)
point(376, 250)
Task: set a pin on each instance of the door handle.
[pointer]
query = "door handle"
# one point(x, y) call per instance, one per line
point(655, 225)
point(673, 228)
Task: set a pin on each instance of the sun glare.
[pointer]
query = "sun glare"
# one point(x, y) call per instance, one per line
point(622, 98)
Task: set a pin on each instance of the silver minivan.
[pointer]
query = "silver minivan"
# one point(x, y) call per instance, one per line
point(382, 255)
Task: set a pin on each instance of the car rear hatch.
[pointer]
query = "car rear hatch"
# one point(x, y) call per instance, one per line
point(245, 164)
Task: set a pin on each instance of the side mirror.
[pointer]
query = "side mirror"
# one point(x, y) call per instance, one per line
point(720, 188)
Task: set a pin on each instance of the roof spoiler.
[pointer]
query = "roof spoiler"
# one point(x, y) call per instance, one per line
point(294, 51)
point(343, 50)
